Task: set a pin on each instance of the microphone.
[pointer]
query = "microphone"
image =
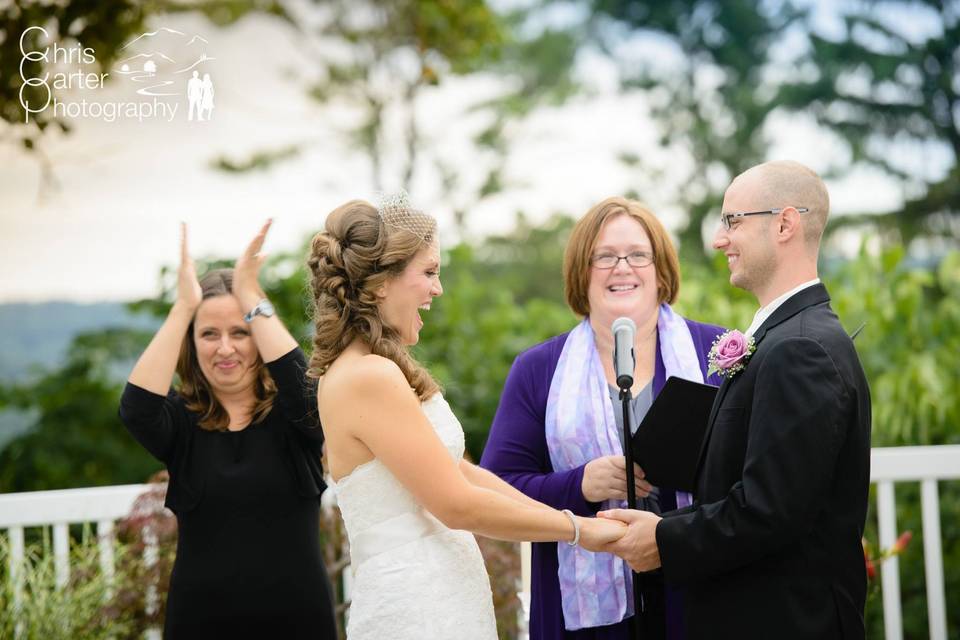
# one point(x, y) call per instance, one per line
point(624, 360)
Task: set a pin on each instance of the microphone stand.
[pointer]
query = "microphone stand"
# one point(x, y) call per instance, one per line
point(638, 608)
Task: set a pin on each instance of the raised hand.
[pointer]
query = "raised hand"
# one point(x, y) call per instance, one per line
point(189, 293)
point(597, 534)
point(638, 546)
point(246, 272)
point(606, 479)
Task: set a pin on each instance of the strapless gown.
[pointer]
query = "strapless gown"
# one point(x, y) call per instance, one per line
point(414, 578)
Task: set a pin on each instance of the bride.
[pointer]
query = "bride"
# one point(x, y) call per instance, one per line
point(394, 447)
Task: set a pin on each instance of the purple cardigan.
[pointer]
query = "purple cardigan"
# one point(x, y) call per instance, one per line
point(516, 450)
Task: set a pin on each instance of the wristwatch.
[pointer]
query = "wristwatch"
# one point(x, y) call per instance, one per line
point(263, 308)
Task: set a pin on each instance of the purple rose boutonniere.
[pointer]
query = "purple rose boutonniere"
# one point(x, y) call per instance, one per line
point(730, 353)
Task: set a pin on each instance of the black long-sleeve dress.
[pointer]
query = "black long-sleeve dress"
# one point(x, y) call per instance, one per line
point(248, 562)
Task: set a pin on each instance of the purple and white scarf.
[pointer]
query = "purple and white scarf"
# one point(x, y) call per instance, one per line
point(596, 588)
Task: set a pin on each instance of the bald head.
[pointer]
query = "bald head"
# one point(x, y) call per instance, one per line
point(784, 183)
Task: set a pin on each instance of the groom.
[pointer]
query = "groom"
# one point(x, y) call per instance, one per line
point(771, 546)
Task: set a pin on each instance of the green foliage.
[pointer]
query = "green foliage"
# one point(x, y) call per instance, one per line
point(76, 438)
point(472, 335)
point(259, 161)
point(908, 345)
point(84, 608)
point(706, 295)
point(382, 56)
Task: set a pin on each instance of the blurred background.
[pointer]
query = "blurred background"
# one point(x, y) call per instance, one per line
point(506, 119)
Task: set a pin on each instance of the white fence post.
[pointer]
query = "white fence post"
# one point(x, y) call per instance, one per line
point(105, 541)
point(890, 569)
point(16, 570)
point(926, 465)
point(933, 559)
point(60, 509)
point(61, 553)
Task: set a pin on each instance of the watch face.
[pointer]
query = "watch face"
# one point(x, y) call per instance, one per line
point(263, 308)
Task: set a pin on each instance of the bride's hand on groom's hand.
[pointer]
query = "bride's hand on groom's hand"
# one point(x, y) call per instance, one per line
point(597, 534)
point(638, 546)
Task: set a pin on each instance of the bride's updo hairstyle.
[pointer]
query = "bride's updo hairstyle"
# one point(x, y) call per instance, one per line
point(360, 248)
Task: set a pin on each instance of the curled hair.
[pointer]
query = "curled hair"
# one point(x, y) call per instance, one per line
point(194, 387)
point(350, 260)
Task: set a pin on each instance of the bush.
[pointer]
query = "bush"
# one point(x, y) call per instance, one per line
point(86, 607)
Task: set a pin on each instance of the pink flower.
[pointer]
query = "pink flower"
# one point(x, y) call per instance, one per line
point(731, 349)
point(730, 353)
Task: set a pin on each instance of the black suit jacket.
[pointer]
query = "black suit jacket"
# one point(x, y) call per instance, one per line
point(771, 547)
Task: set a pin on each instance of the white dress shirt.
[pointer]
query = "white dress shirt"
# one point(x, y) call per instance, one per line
point(765, 312)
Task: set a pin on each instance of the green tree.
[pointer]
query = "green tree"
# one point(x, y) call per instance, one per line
point(888, 87)
point(397, 50)
point(717, 77)
point(709, 103)
point(76, 439)
point(381, 61)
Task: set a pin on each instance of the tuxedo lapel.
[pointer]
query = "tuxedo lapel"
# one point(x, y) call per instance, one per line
point(814, 295)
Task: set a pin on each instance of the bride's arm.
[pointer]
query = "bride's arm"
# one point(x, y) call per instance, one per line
point(480, 477)
point(386, 417)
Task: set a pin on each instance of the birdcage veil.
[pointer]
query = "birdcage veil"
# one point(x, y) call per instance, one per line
point(396, 211)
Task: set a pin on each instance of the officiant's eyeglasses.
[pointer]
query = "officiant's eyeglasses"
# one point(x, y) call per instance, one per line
point(727, 218)
point(609, 260)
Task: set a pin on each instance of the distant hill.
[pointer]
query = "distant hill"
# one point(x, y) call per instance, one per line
point(38, 335)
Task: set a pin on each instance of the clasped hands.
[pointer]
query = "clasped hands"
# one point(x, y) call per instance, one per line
point(627, 533)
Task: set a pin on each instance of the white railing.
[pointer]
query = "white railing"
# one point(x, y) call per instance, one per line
point(58, 510)
point(926, 465)
point(102, 506)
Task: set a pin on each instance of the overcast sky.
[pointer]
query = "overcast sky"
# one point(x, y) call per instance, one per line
point(112, 220)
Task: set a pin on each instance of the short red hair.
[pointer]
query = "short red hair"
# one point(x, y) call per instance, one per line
point(583, 241)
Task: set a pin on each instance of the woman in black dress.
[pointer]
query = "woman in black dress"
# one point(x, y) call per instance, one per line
point(242, 443)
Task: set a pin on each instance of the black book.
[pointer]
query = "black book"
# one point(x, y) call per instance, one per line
point(667, 444)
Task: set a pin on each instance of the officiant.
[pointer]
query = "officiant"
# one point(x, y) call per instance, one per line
point(558, 435)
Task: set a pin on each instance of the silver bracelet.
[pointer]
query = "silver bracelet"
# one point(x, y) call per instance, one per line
point(576, 528)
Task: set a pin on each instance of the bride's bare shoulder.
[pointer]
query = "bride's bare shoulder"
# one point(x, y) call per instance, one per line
point(360, 375)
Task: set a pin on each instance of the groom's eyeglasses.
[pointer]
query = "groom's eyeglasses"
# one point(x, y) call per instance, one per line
point(727, 218)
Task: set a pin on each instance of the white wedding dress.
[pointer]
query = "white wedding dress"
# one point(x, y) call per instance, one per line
point(413, 577)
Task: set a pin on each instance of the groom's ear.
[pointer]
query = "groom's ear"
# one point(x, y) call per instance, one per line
point(789, 224)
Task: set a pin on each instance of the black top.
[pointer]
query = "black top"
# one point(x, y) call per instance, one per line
point(248, 559)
